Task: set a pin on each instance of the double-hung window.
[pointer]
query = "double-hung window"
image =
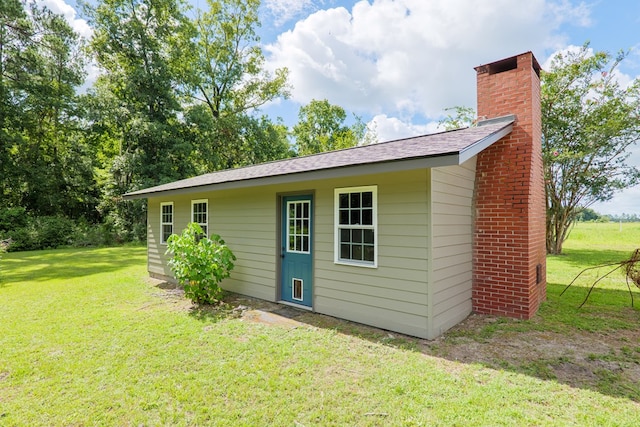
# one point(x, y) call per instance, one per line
point(356, 225)
point(166, 221)
point(200, 214)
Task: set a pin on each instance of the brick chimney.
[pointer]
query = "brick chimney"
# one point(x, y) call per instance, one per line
point(509, 277)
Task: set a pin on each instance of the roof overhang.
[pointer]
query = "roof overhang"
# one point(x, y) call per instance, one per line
point(484, 143)
point(451, 158)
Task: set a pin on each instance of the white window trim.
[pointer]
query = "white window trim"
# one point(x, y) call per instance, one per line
point(163, 241)
point(206, 201)
point(336, 226)
point(289, 203)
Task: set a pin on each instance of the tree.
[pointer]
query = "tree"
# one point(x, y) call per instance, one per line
point(135, 107)
point(321, 127)
point(15, 31)
point(589, 121)
point(221, 67)
point(458, 117)
point(234, 140)
point(587, 214)
point(222, 63)
point(50, 169)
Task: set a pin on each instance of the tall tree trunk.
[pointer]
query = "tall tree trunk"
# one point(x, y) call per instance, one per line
point(559, 222)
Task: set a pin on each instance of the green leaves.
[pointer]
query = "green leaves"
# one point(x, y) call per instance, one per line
point(589, 122)
point(200, 263)
point(321, 128)
point(223, 65)
point(458, 117)
point(43, 154)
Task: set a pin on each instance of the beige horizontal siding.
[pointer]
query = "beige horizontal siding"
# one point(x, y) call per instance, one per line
point(451, 275)
point(372, 315)
point(392, 296)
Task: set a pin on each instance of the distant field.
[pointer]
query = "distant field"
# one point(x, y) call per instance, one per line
point(605, 236)
point(589, 245)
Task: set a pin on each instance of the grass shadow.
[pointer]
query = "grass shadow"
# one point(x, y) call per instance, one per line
point(556, 345)
point(214, 313)
point(583, 258)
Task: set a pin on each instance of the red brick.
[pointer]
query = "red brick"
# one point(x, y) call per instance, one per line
point(509, 225)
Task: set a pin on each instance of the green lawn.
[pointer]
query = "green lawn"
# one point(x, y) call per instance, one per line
point(87, 339)
point(590, 245)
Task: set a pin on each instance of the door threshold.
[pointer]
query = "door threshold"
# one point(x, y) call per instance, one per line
point(293, 304)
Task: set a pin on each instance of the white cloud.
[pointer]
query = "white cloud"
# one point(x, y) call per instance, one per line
point(391, 128)
point(283, 11)
point(60, 7)
point(566, 11)
point(628, 200)
point(623, 202)
point(412, 58)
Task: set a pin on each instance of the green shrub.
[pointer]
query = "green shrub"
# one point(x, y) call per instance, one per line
point(87, 234)
point(200, 263)
point(40, 233)
point(22, 239)
point(54, 231)
point(29, 233)
point(4, 245)
point(12, 218)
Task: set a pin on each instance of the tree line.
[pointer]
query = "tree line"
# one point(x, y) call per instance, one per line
point(590, 215)
point(178, 95)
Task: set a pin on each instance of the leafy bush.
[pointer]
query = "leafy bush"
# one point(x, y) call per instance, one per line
point(22, 239)
point(200, 263)
point(12, 218)
point(40, 233)
point(29, 233)
point(54, 231)
point(88, 234)
point(4, 245)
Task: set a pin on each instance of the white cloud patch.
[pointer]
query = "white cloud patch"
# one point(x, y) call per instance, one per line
point(412, 58)
point(283, 11)
point(626, 201)
point(391, 128)
point(564, 10)
point(60, 7)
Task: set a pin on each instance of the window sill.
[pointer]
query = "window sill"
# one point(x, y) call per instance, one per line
point(356, 264)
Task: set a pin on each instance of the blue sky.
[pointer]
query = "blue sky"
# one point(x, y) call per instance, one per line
point(399, 63)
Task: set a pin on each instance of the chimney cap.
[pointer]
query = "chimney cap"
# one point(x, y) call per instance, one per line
point(507, 64)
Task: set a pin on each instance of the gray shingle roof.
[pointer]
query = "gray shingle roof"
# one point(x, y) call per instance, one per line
point(456, 146)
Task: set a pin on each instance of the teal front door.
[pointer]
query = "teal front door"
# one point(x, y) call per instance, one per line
point(297, 249)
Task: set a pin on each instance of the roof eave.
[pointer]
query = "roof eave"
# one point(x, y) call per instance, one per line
point(481, 145)
point(453, 158)
point(449, 159)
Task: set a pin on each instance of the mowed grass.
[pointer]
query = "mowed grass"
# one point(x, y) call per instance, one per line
point(86, 339)
point(609, 304)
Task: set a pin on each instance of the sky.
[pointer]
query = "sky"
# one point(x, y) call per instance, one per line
point(398, 64)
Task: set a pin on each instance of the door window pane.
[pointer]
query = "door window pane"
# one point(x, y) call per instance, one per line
point(299, 230)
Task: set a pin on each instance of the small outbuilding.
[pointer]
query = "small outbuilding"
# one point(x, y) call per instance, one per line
point(409, 235)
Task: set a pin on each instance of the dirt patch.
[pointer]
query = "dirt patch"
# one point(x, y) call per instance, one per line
point(607, 362)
